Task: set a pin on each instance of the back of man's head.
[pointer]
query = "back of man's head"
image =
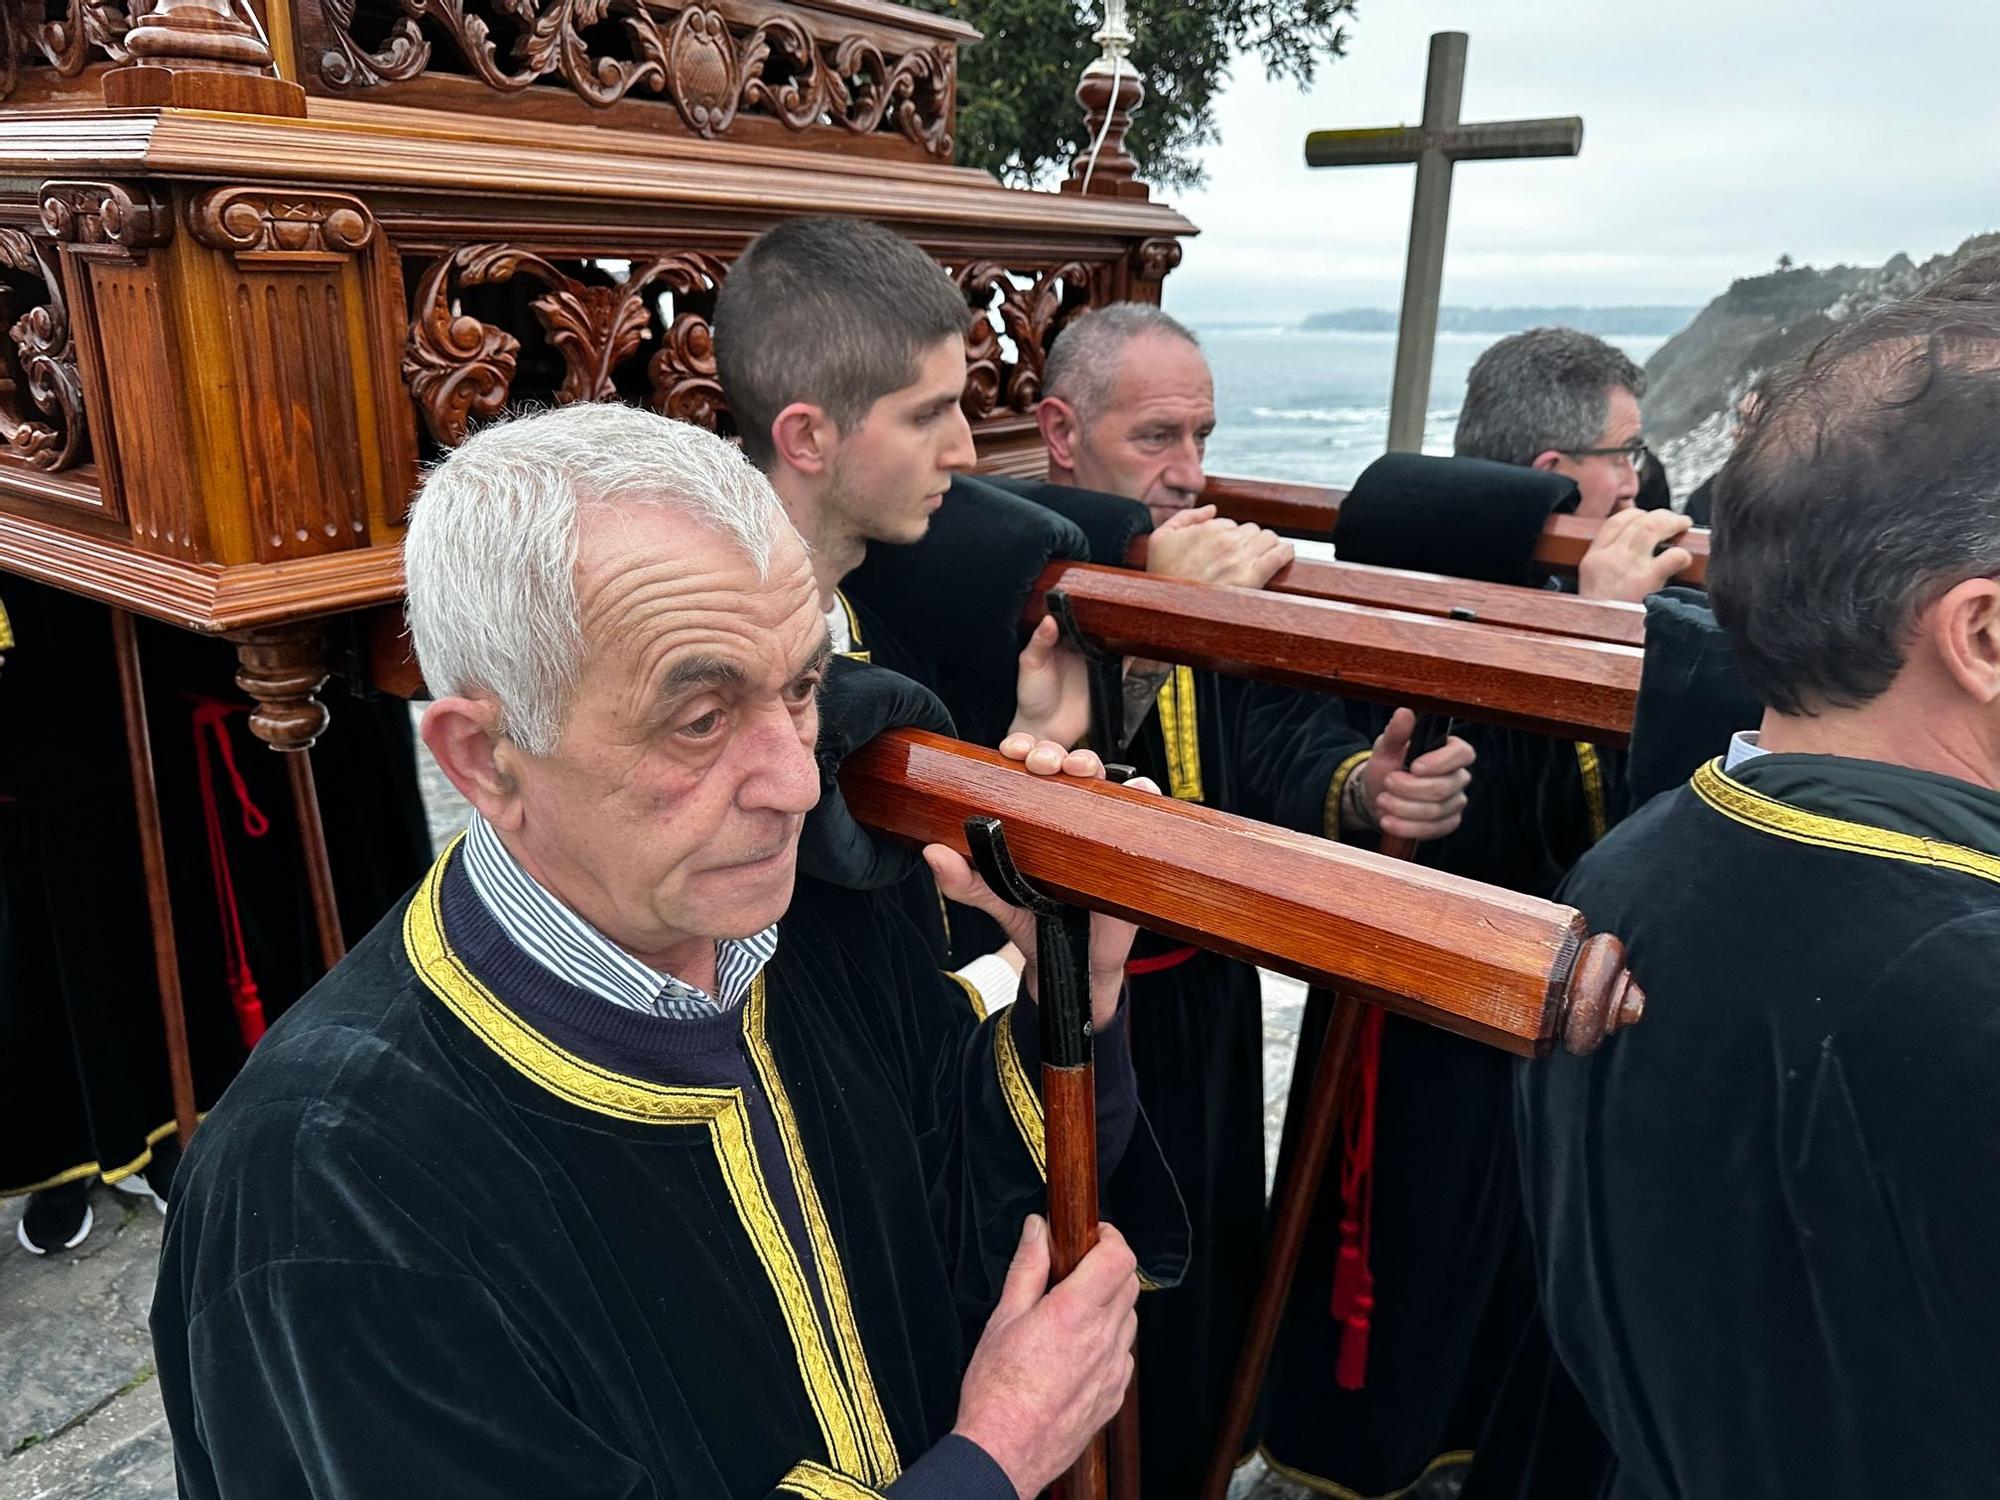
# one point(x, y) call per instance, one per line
point(1082, 366)
point(833, 312)
point(1865, 487)
point(1548, 389)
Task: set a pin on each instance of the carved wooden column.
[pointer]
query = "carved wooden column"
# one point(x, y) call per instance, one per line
point(202, 54)
point(283, 669)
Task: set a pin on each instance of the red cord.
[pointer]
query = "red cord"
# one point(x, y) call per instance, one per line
point(211, 716)
point(1353, 1277)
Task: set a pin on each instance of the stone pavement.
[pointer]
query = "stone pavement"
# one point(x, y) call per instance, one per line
point(80, 1415)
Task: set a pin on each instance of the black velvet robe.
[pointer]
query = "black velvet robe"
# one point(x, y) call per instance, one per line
point(1454, 1299)
point(1279, 756)
point(83, 1071)
point(1764, 1218)
point(460, 1229)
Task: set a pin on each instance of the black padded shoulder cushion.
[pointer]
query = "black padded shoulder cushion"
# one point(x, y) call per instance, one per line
point(1692, 696)
point(856, 703)
point(957, 596)
point(1110, 523)
point(1464, 517)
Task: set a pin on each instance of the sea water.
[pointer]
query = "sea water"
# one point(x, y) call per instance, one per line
point(1314, 407)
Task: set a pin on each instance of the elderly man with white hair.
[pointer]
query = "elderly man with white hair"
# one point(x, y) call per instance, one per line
point(621, 1160)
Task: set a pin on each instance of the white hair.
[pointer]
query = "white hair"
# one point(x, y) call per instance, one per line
point(490, 558)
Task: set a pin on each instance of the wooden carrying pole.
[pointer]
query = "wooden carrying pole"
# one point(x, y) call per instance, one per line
point(1542, 611)
point(1574, 689)
point(1509, 970)
point(153, 859)
point(1310, 510)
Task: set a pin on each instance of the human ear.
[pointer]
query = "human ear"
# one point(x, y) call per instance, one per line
point(1062, 432)
point(1964, 629)
point(803, 437)
point(463, 736)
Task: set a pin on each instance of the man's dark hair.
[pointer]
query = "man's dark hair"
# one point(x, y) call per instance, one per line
point(1543, 389)
point(1866, 485)
point(837, 312)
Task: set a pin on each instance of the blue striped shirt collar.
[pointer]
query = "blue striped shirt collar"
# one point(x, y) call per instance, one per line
point(577, 953)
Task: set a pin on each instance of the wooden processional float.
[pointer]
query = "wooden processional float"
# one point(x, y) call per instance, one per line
point(264, 258)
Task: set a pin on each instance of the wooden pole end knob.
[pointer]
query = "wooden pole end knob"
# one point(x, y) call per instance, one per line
point(1602, 997)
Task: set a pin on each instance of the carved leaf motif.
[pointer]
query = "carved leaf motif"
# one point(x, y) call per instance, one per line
point(711, 72)
point(554, 44)
point(90, 26)
point(802, 98)
point(403, 54)
point(682, 372)
point(1032, 317)
point(456, 366)
point(46, 348)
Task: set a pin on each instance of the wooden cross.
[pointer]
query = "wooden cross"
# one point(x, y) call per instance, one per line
point(1434, 146)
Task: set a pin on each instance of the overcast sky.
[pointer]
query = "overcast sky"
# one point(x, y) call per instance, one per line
point(1717, 135)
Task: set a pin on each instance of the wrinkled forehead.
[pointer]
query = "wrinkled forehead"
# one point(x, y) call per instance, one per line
point(653, 580)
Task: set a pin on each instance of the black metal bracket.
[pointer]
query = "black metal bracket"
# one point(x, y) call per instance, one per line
point(1062, 945)
point(1107, 677)
point(1431, 731)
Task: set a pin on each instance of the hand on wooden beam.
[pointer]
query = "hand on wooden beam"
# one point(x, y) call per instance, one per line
point(1051, 689)
point(1630, 557)
point(1196, 544)
point(1420, 802)
point(1110, 938)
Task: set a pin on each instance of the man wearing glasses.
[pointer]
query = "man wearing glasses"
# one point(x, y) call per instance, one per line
point(1557, 399)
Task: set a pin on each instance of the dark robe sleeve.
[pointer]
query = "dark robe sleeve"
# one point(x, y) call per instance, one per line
point(389, 1417)
point(1293, 752)
point(975, 1092)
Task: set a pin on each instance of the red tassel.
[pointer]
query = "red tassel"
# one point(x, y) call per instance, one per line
point(211, 718)
point(1348, 1270)
point(249, 1008)
point(1351, 1372)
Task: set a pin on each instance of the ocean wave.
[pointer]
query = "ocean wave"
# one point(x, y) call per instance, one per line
point(1340, 416)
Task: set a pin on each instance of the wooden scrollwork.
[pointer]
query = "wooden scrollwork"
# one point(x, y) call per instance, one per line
point(263, 223)
point(53, 435)
point(1032, 317)
point(1153, 259)
point(91, 29)
point(460, 368)
point(711, 72)
point(104, 213)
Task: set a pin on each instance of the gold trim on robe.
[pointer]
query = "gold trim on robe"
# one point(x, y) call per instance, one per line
point(1182, 734)
point(1337, 788)
point(1592, 769)
point(1024, 1101)
point(1768, 815)
point(818, 1482)
point(719, 1111)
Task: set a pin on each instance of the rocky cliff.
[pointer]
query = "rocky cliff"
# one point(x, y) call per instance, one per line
point(1695, 379)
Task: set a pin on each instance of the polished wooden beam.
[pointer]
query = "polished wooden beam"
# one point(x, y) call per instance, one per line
point(1311, 510)
point(1576, 689)
point(1543, 611)
point(1508, 970)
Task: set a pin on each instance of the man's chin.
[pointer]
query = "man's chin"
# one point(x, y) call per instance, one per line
point(748, 898)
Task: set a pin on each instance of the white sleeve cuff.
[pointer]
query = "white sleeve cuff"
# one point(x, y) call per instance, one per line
point(994, 978)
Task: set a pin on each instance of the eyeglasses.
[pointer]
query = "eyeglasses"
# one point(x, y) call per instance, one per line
point(1634, 454)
